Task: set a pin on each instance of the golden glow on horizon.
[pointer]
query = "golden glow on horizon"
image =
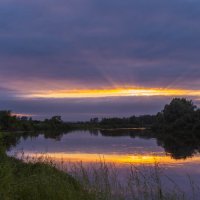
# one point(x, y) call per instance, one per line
point(111, 158)
point(21, 115)
point(119, 92)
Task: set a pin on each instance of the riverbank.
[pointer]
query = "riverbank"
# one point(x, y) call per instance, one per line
point(36, 181)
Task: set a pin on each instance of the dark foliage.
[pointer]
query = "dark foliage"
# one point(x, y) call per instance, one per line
point(9, 122)
point(130, 122)
point(179, 115)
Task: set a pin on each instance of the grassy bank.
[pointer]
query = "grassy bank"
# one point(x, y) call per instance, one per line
point(38, 181)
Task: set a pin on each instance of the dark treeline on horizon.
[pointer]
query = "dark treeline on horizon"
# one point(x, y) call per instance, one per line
point(9, 122)
point(180, 114)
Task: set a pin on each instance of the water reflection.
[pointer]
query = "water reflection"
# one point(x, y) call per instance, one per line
point(179, 145)
point(177, 155)
point(122, 145)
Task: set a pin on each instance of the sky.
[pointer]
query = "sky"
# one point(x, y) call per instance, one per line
point(97, 58)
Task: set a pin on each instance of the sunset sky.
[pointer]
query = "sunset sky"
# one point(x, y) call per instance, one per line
point(97, 58)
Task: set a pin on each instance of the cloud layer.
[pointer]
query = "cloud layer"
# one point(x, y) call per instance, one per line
point(58, 44)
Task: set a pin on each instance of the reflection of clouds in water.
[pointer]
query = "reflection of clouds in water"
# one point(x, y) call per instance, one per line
point(108, 142)
point(82, 146)
point(84, 142)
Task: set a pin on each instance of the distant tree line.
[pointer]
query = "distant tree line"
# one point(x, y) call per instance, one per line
point(128, 122)
point(179, 115)
point(9, 122)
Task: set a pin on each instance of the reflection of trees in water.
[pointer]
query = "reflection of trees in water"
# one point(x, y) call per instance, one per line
point(12, 139)
point(57, 135)
point(180, 145)
point(145, 134)
point(94, 132)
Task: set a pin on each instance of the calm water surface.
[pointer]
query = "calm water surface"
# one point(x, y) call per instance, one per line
point(122, 149)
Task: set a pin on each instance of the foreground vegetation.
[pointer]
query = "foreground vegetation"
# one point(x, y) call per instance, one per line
point(22, 181)
point(140, 183)
point(36, 181)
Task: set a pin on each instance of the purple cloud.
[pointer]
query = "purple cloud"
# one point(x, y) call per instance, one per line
point(91, 44)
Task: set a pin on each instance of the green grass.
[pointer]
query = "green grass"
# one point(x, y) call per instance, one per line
point(41, 181)
point(36, 181)
point(22, 181)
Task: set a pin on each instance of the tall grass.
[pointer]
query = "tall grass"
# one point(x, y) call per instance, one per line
point(139, 184)
point(102, 181)
point(37, 181)
point(40, 178)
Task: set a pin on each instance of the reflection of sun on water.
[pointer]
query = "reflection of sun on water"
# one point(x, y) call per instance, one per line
point(112, 158)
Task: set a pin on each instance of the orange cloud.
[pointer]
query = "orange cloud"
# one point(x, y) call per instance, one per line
point(118, 92)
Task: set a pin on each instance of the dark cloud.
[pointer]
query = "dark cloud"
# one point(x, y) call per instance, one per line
point(99, 43)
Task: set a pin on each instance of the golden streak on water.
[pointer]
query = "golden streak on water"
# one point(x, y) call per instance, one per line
point(123, 92)
point(112, 158)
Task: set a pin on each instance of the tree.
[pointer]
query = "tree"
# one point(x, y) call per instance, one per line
point(180, 114)
point(177, 109)
point(94, 120)
point(56, 119)
point(6, 119)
